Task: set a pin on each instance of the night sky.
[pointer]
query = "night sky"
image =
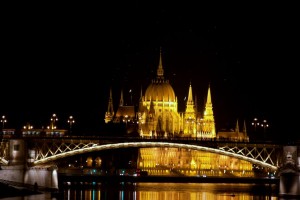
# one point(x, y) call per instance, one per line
point(64, 58)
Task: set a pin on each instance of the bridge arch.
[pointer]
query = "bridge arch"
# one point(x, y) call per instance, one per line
point(97, 147)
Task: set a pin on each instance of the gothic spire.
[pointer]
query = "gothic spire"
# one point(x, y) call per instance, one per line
point(208, 113)
point(110, 102)
point(141, 95)
point(237, 126)
point(160, 70)
point(208, 100)
point(110, 111)
point(121, 99)
point(190, 96)
point(244, 128)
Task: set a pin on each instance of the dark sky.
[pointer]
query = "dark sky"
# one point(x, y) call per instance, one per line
point(64, 58)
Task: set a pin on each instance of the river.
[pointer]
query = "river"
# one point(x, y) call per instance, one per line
point(160, 191)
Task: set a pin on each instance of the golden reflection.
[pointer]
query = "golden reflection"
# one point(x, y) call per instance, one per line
point(90, 194)
point(98, 162)
point(172, 191)
point(89, 161)
point(180, 161)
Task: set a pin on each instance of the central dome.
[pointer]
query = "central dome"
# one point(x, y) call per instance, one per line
point(160, 90)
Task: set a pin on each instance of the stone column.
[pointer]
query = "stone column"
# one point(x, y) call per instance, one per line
point(289, 173)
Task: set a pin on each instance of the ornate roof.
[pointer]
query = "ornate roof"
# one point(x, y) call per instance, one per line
point(160, 89)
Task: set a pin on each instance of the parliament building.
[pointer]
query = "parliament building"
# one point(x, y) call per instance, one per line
point(157, 113)
point(156, 116)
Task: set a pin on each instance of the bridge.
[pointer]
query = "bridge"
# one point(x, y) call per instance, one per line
point(48, 149)
point(36, 151)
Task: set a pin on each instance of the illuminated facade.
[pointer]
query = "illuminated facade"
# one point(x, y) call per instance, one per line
point(186, 162)
point(158, 116)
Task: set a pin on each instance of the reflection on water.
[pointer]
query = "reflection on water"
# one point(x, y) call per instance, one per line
point(161, 191)
point(171, 191)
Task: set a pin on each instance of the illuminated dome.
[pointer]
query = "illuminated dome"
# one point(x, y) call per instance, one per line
point(160, 90)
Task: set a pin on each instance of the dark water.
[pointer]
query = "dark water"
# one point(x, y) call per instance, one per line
point(161, 191)
point(174, 191)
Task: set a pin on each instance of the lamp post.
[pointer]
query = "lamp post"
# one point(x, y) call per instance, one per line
point(264, 125)
point(130, 92)
point(126, 120)
point(53, 119)
point(255, 123)
point(3, 120)
point(71, 121)
point(28, 126)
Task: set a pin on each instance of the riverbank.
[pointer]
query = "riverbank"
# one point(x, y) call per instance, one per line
point(14, 191)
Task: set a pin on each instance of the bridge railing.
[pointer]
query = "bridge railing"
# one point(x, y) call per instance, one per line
point(51, 145)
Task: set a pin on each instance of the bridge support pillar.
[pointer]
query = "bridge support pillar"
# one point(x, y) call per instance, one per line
point(44, 177)
point(289, 173)
point(17, 152)
point(18, 171)
point(289, 185)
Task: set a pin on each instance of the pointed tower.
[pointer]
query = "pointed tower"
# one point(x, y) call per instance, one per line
point(160, 70)
point(245, 135)
point(110, 111)
point(190, 107)
point(141, 106)
point(237, 129)
point(190, 115)
point(121, 99)
point(209, 116)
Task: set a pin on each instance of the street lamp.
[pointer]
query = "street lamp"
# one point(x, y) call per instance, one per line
point(126, 119)
point(28, 126)
point(3, 120)
point(264, 125)
point(53, 120)
point(71, 121)
point(130, 92)
point(255, 123)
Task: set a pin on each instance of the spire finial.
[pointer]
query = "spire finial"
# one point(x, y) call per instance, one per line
point(160, 70)
point(190, 95)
